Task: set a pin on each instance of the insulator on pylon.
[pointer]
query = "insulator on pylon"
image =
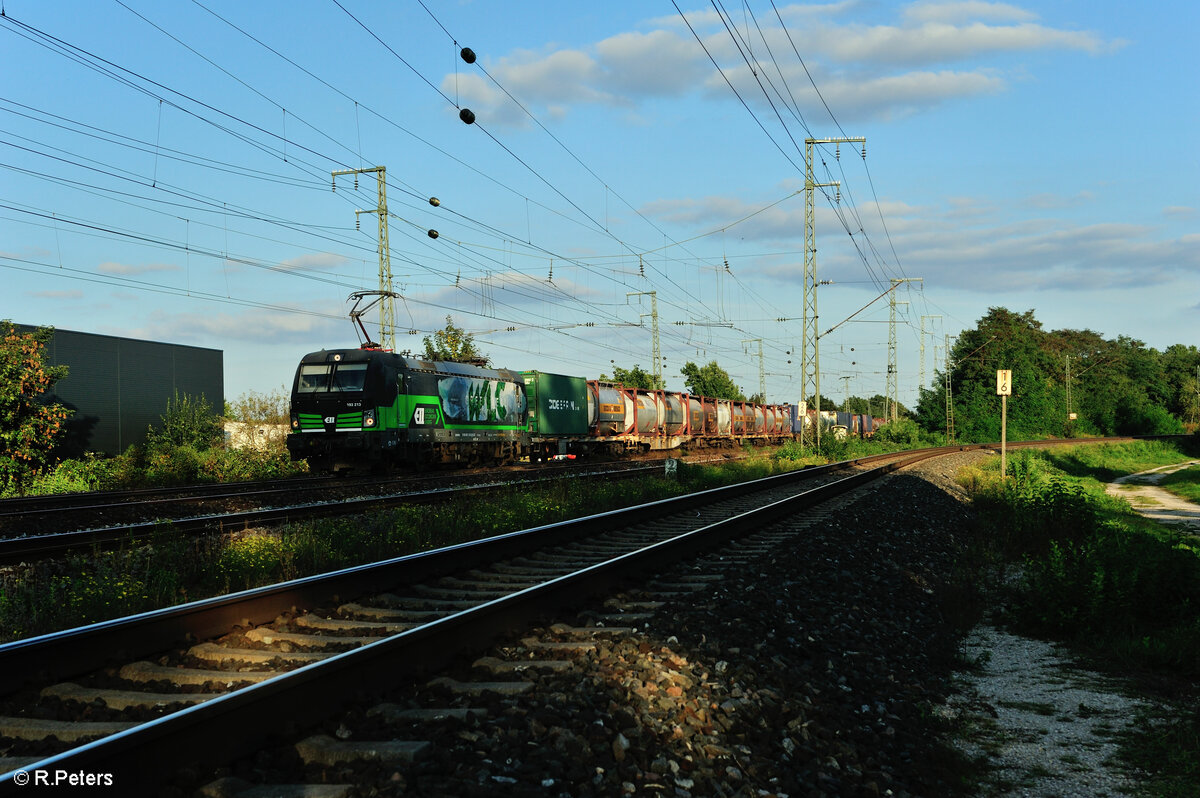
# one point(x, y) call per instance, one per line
point(356, 182)
point(357, 223)
point(467, 54)
point(467, 115)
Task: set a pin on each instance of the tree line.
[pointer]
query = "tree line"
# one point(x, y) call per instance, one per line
point(1065, 383)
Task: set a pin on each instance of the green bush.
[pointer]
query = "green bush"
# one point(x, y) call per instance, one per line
point(1149, 420)
point(189, 421)
point(904, 433)
point(251, 561)
point(169, 464)
point(1094, 571)
point(91, 473)
point(235, 465)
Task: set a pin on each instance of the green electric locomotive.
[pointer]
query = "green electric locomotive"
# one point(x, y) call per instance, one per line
point(363, 408)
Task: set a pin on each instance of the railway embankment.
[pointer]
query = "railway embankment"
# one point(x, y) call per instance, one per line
point(865, 658)
point(830, 664)
point(810, 668)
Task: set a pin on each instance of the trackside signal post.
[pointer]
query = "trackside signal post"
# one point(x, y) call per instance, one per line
point(1004, 390)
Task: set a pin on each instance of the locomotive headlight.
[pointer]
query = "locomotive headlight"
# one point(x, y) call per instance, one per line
point(368, 418)
point(295, 421)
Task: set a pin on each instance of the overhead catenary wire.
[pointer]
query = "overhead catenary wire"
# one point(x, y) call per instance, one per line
point(472, 253)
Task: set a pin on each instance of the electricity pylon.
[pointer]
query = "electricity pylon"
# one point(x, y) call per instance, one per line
point(655, 348)
point(387, 308)
point(892, 389)
point(810, 354)
point(949, 396)
point(762, 372)
point(922, 383)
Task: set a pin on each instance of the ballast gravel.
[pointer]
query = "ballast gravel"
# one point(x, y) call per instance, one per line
point(824, 668)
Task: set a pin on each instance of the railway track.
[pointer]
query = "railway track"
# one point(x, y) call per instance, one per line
point(270, 503)
point(300, 648)
point(58, 510)
point(21, 515)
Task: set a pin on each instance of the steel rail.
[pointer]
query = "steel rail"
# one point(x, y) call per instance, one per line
point(74, 651)
point(32, 547)
point(147, 755)
point(239, 722)
point(89, 500)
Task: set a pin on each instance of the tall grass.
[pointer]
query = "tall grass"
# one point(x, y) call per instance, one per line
point(1185, 483)
point(1095, 572)
point(1099, 576)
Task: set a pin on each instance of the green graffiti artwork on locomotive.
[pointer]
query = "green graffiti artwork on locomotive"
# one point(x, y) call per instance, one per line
point(365, 407)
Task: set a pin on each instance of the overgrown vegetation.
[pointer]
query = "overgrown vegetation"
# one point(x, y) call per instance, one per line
point(186, 447)
point(30, 426)
point(1185, 484)
point(1095, 574)
point(88, 588)
point(1116, 387)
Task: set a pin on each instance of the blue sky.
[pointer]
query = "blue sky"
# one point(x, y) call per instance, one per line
point(165, 174)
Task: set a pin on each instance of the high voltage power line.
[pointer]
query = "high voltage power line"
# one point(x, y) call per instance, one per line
point(298, 158)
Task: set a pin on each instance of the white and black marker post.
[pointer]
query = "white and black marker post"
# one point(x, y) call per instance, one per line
point(1004, 390)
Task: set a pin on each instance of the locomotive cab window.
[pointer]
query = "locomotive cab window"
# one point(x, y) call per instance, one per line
point(323, 377)
point(349, 377)
point(313, 378)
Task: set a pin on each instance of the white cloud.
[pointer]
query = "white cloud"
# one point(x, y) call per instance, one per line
point(317, 261)
point(126, 269)
point(957, 12)
point(659, 63)
point(30, 253)
point(256, 326)
point(1049, 201)
point(937, 42)
point(502, 294)
point(68, 294)
point(863, 71)
point(892, 96)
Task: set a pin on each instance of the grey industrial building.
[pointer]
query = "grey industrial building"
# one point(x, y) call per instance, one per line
point(118, 387)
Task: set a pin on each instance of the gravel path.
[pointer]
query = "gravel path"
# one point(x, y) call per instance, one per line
point(1154, 502)
point(1046, 727)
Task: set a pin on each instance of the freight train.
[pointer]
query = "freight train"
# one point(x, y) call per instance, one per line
point(364, 408)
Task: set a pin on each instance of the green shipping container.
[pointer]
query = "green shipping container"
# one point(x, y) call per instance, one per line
point(557, 403)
